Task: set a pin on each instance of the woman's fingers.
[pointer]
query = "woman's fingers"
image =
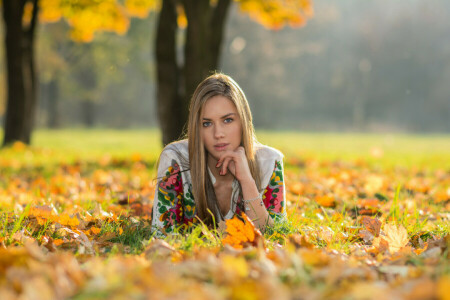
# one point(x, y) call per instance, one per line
point(230, 160)
point(224, 156)
point(225, 163)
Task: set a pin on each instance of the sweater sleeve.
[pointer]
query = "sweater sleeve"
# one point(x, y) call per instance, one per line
point(173, 209)
point(274, 195)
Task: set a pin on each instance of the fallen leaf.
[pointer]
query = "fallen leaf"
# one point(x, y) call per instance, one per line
point(241, 232)
point(397, 237)
point(371, 225)
point(326, 200)
point(380, 244)
point(300, 241)
point(443, 288)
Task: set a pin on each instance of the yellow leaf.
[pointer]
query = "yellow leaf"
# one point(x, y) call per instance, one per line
point(50, 11)
point(65, 219)
point(27, 13)
point(314, 257)
point(276, 14)
point(19, 146)
point(235, 265)
point(444, 288)
point(397, 237)
point(373, 184)
point(141, 8)
point(181, 17)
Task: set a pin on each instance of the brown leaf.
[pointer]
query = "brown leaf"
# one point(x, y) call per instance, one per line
point(300, 241)
point(160, 249)
point(371, 225)
point(380, 244)
point(366, 235)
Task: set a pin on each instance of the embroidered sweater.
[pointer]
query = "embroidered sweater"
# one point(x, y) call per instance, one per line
point(174, 206)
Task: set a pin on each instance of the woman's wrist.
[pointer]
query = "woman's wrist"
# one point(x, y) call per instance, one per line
point(248, 181)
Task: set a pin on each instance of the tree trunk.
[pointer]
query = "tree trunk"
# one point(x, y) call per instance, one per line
point(217, 24)
point(53, 119)
point(21, 84)
point(88, 113)
point(169, 111)
point(88, 82)
point(197, 52)
point(176, 84)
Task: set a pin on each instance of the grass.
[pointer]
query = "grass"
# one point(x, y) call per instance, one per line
point(384, 150)
point(99, 180)
point(51, 148)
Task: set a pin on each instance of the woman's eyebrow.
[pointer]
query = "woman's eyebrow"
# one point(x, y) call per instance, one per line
point(223, 117)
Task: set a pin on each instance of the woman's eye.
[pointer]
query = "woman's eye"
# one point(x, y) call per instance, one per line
point(206, 124)
point(228, 120)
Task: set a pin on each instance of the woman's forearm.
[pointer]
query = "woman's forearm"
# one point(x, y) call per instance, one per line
point(255, 209)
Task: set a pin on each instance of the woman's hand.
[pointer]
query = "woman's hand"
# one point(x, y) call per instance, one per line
point(235, 162)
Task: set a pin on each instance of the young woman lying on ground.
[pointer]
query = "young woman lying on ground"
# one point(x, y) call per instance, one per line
point(220, 169)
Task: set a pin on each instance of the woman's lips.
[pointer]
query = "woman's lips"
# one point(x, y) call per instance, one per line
point(220, 147)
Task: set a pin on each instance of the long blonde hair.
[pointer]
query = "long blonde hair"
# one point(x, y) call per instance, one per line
point(202, 188)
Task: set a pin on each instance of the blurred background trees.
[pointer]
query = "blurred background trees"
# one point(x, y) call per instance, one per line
point(21, 19)
point(200, 22)
point(356, 66)
point(179, 72)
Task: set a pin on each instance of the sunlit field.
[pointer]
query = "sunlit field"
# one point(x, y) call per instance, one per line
point(385, 150)
point(368, 217)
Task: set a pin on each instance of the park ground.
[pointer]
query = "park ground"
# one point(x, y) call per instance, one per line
point(368, 218)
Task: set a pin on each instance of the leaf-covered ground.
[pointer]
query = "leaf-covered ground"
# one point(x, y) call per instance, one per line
point(80, 229)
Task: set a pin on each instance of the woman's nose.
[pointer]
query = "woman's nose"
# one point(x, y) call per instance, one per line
point(218, 132)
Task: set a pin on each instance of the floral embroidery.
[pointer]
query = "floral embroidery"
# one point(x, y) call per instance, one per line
point(175, 208)
point(273, 197)
point(273, 194)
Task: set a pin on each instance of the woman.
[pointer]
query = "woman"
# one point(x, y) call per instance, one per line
point(220, 169)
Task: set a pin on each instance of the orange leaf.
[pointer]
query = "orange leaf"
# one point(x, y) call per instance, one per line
point(296, 188)
point(41, 221)
point(241, 232)
point(326, 200)
point(58, 242)
point(43, 211)
point(95, 230)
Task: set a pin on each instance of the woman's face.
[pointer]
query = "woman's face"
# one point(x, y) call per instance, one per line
point(220, 126)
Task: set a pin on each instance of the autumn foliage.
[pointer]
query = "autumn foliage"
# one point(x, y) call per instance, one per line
point(355, 232)
point(88, 17)
point(241, 232)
